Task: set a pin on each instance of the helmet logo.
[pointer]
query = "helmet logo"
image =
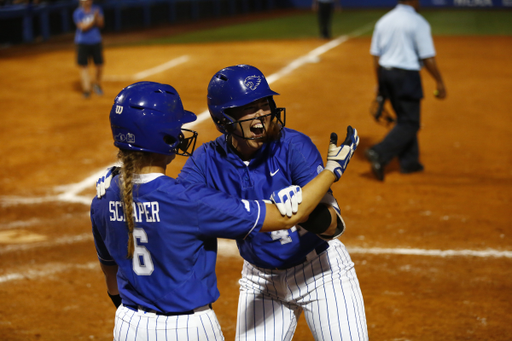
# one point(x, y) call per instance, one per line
point(128, 138)
point(119, 109)
point(252, 82)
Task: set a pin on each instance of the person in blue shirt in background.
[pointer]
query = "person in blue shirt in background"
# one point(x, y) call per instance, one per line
point(401, 45)
point(89, 20)
point(156, 239)
point(285, 272)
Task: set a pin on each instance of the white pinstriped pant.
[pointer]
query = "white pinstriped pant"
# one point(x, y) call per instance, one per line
point(139, 325)
point(325, 287)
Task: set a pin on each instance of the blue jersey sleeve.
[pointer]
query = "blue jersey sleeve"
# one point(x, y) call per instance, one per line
point(221, 215)
point(305, 161)
point(103, 255)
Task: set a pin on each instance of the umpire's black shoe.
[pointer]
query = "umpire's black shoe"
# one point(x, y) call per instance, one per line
point(413, 169)
point(377, 166)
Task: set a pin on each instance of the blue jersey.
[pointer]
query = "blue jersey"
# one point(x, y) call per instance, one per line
point(89, 37)
point(173, 268)
point(291, 160)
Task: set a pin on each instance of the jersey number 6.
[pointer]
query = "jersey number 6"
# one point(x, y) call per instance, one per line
point(142, 262)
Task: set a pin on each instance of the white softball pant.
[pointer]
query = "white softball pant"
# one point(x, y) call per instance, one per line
point(325, 287)
point(140, 325)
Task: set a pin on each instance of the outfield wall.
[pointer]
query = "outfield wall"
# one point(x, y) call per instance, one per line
point(424, 3)
point(27, 23)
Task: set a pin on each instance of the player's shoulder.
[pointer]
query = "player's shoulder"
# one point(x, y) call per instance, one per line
point(211, 148)
point(289, 134)
point(163, 184)
point(294, 137)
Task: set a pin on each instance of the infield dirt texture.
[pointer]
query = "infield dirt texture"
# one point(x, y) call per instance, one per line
point(433, 250)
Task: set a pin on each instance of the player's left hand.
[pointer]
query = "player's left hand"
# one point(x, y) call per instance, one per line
point(287, 200)
point(104, 181)
point(339, 157)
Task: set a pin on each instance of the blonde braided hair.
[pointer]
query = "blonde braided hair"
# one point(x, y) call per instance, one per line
point(131, 161)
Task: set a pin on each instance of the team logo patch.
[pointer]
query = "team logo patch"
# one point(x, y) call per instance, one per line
point(120, 137)
point(252, 82)
point(128, 138)
point(119, 109)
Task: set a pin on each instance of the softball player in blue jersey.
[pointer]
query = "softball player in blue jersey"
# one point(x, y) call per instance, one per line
point(287, 271)
point(156, 239)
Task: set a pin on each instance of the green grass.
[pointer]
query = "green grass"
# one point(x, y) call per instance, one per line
point(304, 25)
point(470, 22)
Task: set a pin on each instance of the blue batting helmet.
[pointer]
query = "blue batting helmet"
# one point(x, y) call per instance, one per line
point(235, 86)
point(147, 116)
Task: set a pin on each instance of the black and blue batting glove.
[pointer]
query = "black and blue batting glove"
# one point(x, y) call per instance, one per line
point(339, 157)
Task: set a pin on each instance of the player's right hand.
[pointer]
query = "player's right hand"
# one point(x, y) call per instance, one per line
point(339, 157)
point(287, 200)
point(104, 181)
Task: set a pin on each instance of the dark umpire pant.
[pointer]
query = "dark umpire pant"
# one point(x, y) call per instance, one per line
point(325, 10)
point(404, 90)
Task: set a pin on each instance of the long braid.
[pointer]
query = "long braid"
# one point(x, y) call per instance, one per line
point(131, 165)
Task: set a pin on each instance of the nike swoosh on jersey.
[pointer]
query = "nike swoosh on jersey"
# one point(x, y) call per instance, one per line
point(274, 173)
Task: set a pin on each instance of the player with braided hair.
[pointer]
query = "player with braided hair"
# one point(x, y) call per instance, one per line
point(292, 270)
point(156, 239)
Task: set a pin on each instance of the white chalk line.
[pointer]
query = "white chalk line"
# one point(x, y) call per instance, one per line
point(146, 73)
point(227, 248)
point(48, 270)
point(69, 193)
point(66, 240)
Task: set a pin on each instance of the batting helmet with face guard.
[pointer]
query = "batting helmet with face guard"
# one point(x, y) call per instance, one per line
point(148, 116)
point(236, 86)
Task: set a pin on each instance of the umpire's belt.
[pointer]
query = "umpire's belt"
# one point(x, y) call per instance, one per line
point(317, 251)
point(390, 68)
point(147, 310)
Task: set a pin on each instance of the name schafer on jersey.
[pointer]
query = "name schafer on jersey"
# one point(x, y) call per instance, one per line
point(141, 210)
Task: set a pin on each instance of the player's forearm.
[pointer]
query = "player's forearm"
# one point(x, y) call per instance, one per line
point(86, 26)
point(312, 194)
point(110, 273)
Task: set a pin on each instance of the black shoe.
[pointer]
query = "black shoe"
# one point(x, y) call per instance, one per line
point(86, 94)
point(416, 168)
point(377, 166)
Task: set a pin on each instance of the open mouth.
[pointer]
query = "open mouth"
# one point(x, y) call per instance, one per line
point(258, 130)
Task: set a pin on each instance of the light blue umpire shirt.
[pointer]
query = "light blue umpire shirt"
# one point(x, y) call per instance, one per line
point(402, 38)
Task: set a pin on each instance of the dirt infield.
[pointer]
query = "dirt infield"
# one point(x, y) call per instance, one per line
point(433, 251)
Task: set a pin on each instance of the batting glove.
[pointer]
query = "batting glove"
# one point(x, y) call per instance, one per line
point(287, 200)
point(339, 157)
point(104, 181)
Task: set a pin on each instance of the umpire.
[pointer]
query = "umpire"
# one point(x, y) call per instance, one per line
point(401, 44)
